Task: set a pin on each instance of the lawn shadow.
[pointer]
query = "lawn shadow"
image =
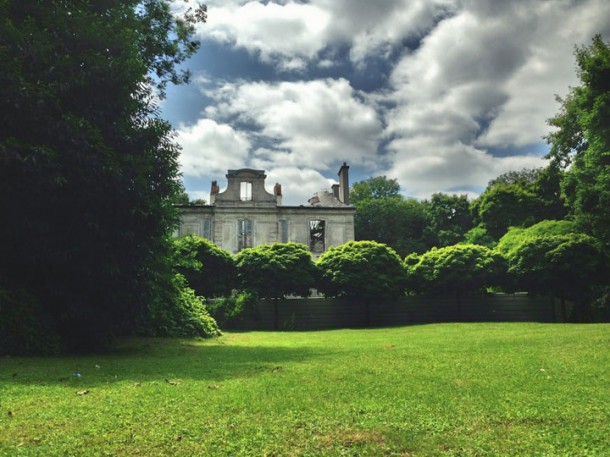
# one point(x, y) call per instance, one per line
point(154, 359)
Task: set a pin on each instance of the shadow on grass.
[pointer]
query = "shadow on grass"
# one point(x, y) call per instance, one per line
point(145, 360)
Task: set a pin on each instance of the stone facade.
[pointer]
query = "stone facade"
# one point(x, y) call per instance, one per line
point(246, 215)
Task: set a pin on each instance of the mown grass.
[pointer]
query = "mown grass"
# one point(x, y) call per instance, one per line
point(433, 390)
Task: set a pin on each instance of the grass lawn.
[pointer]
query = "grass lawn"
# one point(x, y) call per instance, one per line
point(430, 390)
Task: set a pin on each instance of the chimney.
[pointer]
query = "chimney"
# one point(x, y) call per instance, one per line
point(277, 191)
point(344, 184)
point(213, 192)
point(335, 189)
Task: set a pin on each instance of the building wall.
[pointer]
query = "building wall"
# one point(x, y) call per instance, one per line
point(221, 225)
point(221, 222)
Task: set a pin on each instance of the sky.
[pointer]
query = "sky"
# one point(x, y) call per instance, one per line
point(441, 95)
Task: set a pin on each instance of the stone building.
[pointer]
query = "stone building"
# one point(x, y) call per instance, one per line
point(246, 215)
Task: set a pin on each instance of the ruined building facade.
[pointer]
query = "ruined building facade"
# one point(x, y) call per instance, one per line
point(246, 215)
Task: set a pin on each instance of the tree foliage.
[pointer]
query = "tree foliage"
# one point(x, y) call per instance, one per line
point(276, 270)
point(376, 187)
point(516, 235)
point(394, 221)
point(566, 266)
point(208, 269)
point(448, 219)
point(182, 313)
point(582, 139)
point(87, 169)
point(459, 269)
point(519, 199)
point(363, 271)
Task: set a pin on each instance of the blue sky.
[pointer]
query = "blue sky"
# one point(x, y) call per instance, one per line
point(442, 95)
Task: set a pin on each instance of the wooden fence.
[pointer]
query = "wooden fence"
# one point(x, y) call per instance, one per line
point(328, 313)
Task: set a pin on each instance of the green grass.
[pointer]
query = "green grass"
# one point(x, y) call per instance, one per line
point(431, 390)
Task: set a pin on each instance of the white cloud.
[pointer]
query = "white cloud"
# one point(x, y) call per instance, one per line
point(291, 33)
point(274, 30)
point(298, 184)
point(313, 124)
point(481, 79)
point(210, 149)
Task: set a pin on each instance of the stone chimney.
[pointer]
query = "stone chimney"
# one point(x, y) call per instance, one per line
point(344, 184)
point(277, 191)
point(335, 189)
point(213, 192)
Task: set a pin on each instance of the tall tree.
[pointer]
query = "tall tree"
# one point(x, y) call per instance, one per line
point(87, 168)
point(520, 199)
point(448, 219)
point(394, 221)
point(582, 139)
point(374, 188)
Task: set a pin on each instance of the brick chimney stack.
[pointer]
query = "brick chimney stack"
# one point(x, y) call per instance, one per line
point(214, 191)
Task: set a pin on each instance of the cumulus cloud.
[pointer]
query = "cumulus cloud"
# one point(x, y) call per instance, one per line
point(466, 78)
point(483, 78)
point(291, 34)
point(308, 123)
point(210, 148)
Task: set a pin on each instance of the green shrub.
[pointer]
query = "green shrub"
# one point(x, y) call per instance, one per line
point(228, 311)
point(458, 269)
point(182, 315)
point(362, 271)
point(23, 328)
point(209, 270)
point(570, 267)
point(516, 235)
point(276, 270)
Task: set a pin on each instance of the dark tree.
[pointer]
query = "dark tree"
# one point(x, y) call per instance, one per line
point(87, 168)
point(209, 270)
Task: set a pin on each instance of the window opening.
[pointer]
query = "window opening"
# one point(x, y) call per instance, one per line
point(316, 236)
point(245, 234)
point(283, 231)
point(207, 228)
point(245, 191)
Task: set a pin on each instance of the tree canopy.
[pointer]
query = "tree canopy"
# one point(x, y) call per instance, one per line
point(459, 269)
point(208, 269)
point(374, 188)
point(519, 199)
point(448, 219)
point(565, 266)
point(276, 270)
point(362, 271)
point(394, 221)
point(582, 138)
point(87, 168)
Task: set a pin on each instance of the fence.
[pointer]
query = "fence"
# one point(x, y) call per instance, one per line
point(328, 313)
